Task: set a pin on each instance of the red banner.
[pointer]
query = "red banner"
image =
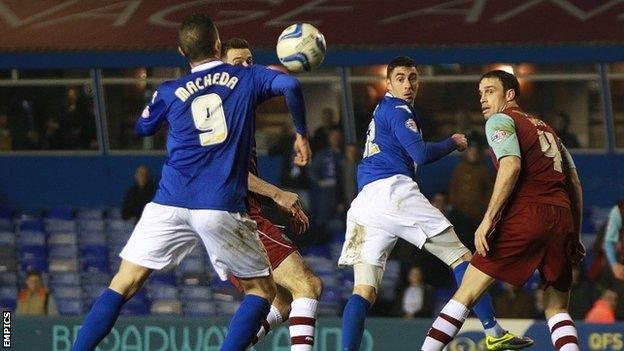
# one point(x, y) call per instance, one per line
point(152, 24)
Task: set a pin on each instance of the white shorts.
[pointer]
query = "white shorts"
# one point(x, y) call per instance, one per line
point(165, 234)
point(384, 211)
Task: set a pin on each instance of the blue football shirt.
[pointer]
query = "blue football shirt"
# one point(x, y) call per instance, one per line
point(210, 113)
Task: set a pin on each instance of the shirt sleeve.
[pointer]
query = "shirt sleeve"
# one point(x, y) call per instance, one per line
point(567, 157)
point(406, 131)
point(272, 83)
point(153, 115)
point(612, 234)
point(500, 131)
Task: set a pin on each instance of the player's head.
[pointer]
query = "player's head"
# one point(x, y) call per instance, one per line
point(498, 90)
point(402, 78)
point(236, 51)
point(198, 38)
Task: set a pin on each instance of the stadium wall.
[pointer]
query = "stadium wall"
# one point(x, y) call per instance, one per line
point(207, 334)
point(97, 181)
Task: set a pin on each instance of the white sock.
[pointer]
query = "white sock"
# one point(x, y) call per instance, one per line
point(496, 331)
point(302, 322)
point(273, 319)
point(563, 332)
point(446, 326)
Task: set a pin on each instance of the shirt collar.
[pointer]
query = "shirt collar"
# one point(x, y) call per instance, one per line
point(205, 66)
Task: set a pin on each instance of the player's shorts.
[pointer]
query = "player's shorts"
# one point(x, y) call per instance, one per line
point(277, 245)
point(384, 211)
point(166, 234)
point(531, 236)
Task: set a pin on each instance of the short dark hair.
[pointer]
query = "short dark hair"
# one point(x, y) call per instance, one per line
point(508, 80)
point(197, 36)
point(32, 272)
point(234, 43)
point(400, 61)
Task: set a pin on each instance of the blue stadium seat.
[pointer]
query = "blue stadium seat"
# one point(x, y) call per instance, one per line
point(69, 307)
point(96, 278)
point(95, 251)
point(8, 279)
point(162, 292)
point(113, 213)
point(6, 213)
point(26, 252)
point(95, 264)
point(119, 225)
point(59, 225)
point(191, 265)
point(6, 224)
point(30, 224)
point(138, 305)
point(64, 279)
point(62, 265)
point(91, 225)
point(199, 309)
point(163, 278)
point(62, 238)
point(166, 307)
point(8, 295)
point(88, 238)
point(90, 214)
point(195, 293)
point(31, 237)
point(64, 213)
point(7, 239)
point(67, 292)
point(8, 259)
point(63, 251)
point(29, 264)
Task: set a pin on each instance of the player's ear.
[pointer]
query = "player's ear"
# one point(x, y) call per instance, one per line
point(181, 52)
point(510, 95)
point(217, 47)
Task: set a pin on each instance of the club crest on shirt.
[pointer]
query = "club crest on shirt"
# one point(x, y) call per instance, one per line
point(411, 125)
point(146, 112)
point(499, 135)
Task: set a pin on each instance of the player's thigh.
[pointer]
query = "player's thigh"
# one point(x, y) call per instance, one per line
point(366, 244)
point(161, 238)
point(232, 242)
point(556, 267)
point(447, 247)
point(295, 275)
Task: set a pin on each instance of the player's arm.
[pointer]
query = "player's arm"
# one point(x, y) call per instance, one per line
point(421, 152)
point(287, 200)
point(614, 226)
point(275, 83)
point(153, 116)
point(575, 192)
point(500, 130)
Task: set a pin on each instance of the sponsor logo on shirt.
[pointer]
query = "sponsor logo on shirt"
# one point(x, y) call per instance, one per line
point(499, 135)
point(411, 125)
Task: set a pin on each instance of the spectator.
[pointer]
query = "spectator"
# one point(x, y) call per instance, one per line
point(138, 195)
point(603, 310)
point(52, 137)
point(561, 123)
point(77, 122)
point(35, 298)
point(614, 241)
point(5, 134)
point(326, 173)
point(470, 188)
point(24, 124)
point(416, 299)
point(320, 140)
point(514, 302)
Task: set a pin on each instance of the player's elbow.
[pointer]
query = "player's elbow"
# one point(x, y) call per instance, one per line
point(289, 83)
point(512, 164)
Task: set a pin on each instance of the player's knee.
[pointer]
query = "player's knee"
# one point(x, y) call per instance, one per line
point(314, 287)
point(267, 289)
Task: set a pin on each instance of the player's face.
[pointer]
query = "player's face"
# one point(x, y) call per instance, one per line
point(493, 98)
point(239, 57)
point(403, 83)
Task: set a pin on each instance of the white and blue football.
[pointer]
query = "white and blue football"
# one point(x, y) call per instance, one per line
point(301, 47)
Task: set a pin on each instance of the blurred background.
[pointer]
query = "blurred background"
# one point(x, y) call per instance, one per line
point(75, 76)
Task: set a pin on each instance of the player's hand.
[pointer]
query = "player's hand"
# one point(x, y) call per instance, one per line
point(300, 221)
point(461, 141)
point(618, 270)
point(481, 236)
point(287, 200)
point(303, 152)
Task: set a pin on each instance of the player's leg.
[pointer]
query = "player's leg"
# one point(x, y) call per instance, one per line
point(102, 316)
point(474, 284)
point(231, 240)
point(447, 247)
point(563, 331)
point(160, 239)
point(305, 288)
point(278, 312)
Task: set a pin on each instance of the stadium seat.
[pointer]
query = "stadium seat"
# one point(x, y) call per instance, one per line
point(191, 265)
point(8, 297)
point(8, 279)
point(8, 259)
point(163, 278)
point(166, 307)
point(91, 225)
point(64, 278)
point(95, 264)
point(6, 224)
point(63, 213)
point(138, 305)
point(62, 265)
point(59, 225)
point(7, 239)
point(62, 238)
point(162, 292)
point(30, 224)
point(94, 250)
point(67, 292)
point(90, 238)
point(119, 225)
point(199, 309)
point(195, 293)
point(96, 278)
point(113, 213)
point(69, 307)
point(31, 237)
point(90, 214)
point(63, 251)
point(27, 252)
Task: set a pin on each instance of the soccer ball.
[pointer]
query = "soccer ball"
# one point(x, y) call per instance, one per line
point(301, 47)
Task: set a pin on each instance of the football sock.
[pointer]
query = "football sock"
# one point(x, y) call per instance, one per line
point(302, 323)
point(446, 326)
point(245, 323)
point(563, 332)
point(100, 320)
point(353, 318)
point(273, 319)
